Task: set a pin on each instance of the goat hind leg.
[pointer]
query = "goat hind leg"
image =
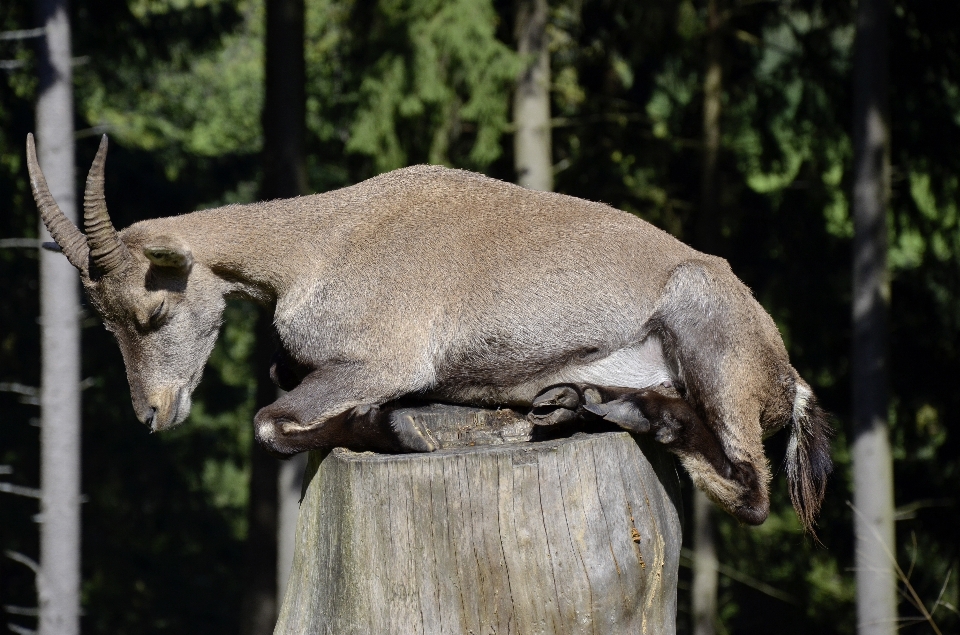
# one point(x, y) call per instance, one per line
point(568, 402)
point(734, 485)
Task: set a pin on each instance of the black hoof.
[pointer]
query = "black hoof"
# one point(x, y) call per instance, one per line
point(552, 417)
point(555, 406)
point(413, 436)
point(621, 412)
point(558, 397)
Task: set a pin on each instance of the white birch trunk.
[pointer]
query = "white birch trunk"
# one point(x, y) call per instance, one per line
point(289, 487)
point(59, 578)
point(872, 461)
point(531, 102)
point(705, 566)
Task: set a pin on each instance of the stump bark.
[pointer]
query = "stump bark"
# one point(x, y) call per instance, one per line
point(576, 535)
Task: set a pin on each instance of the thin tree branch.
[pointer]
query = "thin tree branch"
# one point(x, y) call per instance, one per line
point(758, 585)
point(950, 607)
point(900, 574)
point(20, 389)
point(943, 590)
point(908, 511)
point(20, 243)
point(30, 394)
point(11, 65)
point(31, 564)
point(24, 34)
point(913, 556)
point(27, 561)
point(94, 131)
point(19, 490)
point(22, 610)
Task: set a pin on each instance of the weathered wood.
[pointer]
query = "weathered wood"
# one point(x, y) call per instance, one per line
point(452, 426)
point(578, 535)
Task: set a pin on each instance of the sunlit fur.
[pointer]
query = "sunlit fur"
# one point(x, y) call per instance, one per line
point(453, 286)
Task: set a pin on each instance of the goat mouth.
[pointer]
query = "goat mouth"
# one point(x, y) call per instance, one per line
point(171, 412)
point(182, 408)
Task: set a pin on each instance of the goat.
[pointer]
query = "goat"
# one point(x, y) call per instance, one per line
point(451, 286)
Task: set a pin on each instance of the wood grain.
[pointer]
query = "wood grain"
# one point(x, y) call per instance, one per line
point(578, 535)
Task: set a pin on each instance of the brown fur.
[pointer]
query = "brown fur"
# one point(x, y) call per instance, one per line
point(452, 286)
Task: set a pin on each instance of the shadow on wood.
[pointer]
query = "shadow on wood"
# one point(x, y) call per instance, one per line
point(577, 535)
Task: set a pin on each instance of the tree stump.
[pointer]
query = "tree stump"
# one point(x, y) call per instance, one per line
point(576, 535)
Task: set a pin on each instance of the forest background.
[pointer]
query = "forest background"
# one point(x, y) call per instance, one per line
point(178, 85)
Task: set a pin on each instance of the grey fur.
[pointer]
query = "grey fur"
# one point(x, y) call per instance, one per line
point(455, 287)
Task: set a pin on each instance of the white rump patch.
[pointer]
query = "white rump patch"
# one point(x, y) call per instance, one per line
point(639, 366)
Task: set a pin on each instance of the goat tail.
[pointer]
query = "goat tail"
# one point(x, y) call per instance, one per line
point(808, 455)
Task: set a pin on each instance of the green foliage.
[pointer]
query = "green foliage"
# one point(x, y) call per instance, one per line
point(439, 72)
point(178, 85)
point(207, 105)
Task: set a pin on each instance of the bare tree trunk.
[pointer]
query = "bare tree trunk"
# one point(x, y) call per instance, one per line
point(59, 577)
point(284, 176)
point(703, 599)
point(872, 462)
point(289, 486)
point(284, 107)
point(707, 222)
point(704, 588)
point(258, 612)
point(531, 101)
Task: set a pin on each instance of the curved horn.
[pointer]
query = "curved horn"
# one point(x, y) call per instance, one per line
point(70, 239)
point(106, 249)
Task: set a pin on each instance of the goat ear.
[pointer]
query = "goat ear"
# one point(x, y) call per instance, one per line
point(169, 253)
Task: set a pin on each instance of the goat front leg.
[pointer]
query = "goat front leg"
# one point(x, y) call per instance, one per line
point(326, 410)
point(733, 485)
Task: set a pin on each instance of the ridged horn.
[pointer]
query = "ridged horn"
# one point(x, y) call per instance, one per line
point(70, 239)
point(106, 249)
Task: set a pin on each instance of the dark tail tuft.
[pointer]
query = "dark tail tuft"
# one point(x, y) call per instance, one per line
point(808, 456)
